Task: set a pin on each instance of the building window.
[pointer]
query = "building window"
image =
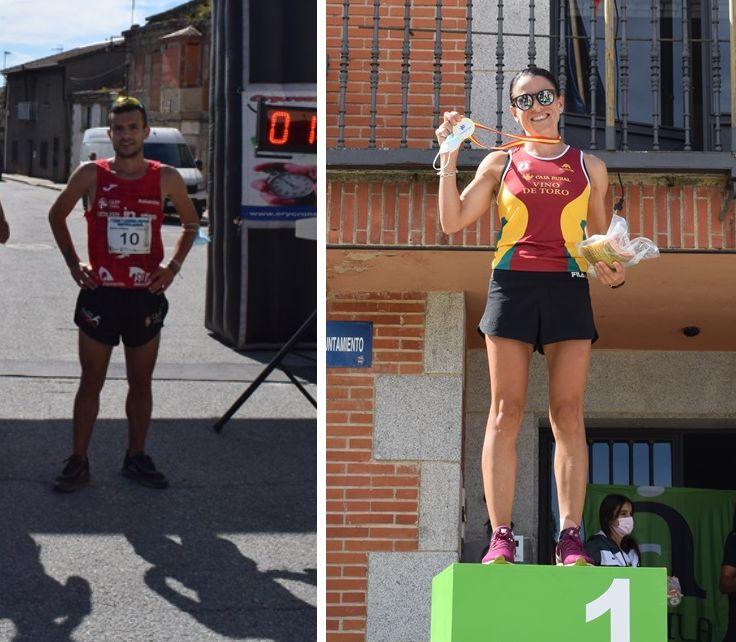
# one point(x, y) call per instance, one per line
point(139, 71)
point(44, 160)
point(283, 48)
point(659, 54)
point(154, 103)
point(171, 75)
point(26, 110)
point(55, 154)
point(192, 66)
point(637, 463)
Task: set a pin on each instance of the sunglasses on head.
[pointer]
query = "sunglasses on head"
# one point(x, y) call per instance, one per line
point(127, 100)
point(525, 101)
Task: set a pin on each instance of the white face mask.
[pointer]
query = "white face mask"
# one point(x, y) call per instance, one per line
point(624, 526)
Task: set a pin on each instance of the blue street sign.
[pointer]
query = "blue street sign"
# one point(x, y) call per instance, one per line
point(349, 344)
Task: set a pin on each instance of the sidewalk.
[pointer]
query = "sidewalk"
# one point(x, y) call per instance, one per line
point(46, 184)
point(32, 180)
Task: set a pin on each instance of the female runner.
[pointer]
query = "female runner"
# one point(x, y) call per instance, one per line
point(549, 197)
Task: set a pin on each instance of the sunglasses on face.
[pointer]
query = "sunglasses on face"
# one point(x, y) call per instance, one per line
point(525, 101)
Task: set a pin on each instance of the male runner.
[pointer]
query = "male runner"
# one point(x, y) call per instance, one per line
point(4, 228)
point(123, 285)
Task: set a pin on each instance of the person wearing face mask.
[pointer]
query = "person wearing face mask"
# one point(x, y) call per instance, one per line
point(614, 545)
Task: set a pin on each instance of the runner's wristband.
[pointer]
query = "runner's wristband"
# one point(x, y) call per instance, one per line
point(174, 266)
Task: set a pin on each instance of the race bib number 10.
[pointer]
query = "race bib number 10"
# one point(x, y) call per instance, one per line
point(128, 235)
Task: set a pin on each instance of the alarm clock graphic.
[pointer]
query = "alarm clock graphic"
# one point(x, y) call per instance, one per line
point(287, 183)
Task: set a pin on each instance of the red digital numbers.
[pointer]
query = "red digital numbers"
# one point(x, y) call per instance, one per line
point(313, 130)
point(278, 132)
point(288, 129)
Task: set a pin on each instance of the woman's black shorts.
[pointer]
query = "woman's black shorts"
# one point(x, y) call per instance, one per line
point(538, 307)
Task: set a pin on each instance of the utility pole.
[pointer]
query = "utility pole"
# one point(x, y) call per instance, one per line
point(4, 114)
point(5, 59)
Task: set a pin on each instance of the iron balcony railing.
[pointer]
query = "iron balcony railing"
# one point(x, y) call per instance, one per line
point(637, 76)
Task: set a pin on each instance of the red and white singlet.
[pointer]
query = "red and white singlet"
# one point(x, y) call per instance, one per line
point(124, 227)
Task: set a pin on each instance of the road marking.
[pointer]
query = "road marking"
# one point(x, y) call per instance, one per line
point(29, 246)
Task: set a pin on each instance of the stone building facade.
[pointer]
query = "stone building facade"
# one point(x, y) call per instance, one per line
point(168, 69)
point(39, 98)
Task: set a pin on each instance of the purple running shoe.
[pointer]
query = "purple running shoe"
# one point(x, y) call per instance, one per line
point(502, 548)
point(570, 551)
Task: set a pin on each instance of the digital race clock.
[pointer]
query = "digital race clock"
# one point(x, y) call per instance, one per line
point(286, 130)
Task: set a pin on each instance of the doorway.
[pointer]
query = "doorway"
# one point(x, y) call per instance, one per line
point(678, 456)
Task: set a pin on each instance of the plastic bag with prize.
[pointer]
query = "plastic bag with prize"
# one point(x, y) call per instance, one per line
point(616, 246)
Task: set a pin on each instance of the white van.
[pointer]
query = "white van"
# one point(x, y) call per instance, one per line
point(164, 144)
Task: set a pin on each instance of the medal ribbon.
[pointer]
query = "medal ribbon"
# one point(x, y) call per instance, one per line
point(518, 139)
point(464, 132)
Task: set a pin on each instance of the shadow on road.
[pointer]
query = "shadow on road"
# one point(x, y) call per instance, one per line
point(258, 477)
point(57, 608)
point(247, 594)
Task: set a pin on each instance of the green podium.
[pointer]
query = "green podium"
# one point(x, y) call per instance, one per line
point(526, 603)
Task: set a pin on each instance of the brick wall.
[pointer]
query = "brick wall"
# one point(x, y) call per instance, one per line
point(675, 212)
point(421, 60)
point(371, 505)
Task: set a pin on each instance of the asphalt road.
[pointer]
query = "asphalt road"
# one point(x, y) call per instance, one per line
point(227, 552)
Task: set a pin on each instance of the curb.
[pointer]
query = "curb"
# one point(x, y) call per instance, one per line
point(33, 182)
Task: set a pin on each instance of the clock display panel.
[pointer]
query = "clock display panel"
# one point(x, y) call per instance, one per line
point(288, 130)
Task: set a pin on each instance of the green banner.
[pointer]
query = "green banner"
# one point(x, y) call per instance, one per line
point(683, 529)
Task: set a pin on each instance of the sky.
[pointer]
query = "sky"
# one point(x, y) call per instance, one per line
point(31, 29)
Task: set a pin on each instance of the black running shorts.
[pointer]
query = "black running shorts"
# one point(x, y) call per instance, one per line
point(107, 314)
point(538, 307)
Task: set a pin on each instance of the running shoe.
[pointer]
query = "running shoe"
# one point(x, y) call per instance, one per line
point(570, 550)
point(74, 476)
point(502, 549)
point(140, 468)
